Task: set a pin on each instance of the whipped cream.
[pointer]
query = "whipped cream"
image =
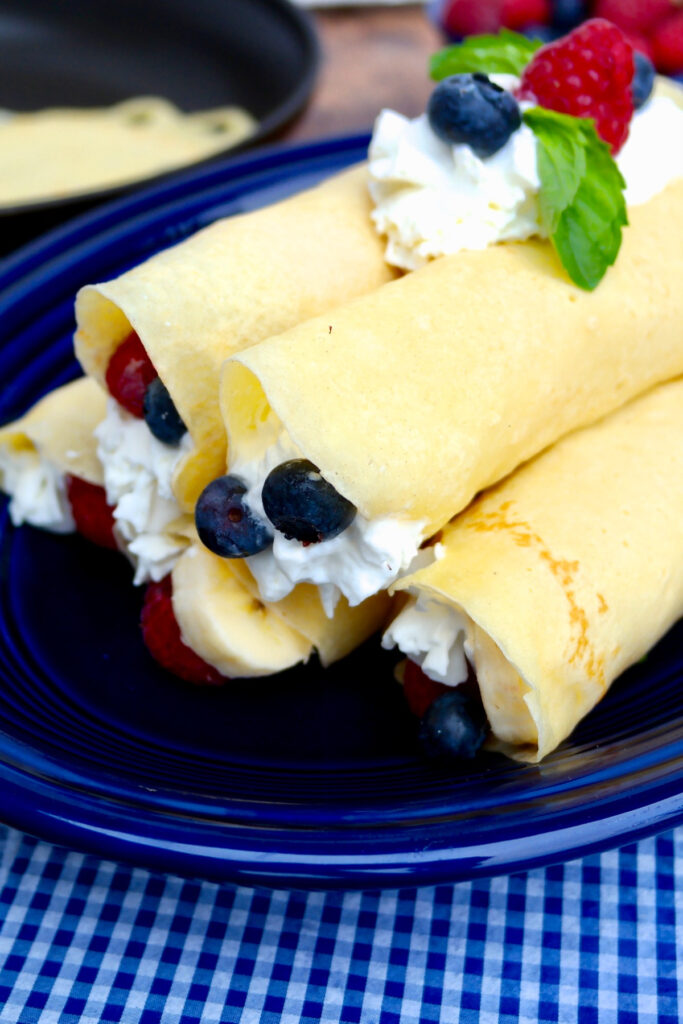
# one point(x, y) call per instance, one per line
point(435, 636)
point(433, 199)
point(138, 473)
point(368, 556)
point(652, 155)
point(37, 489)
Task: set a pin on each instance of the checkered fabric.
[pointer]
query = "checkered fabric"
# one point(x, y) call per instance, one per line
point(84, 941)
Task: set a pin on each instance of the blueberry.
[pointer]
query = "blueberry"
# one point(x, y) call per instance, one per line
point(302, 505)
point(544, 33)
point(454, 727)
point(470, 109)
point(161, 415)
point(568, 13)
point(225, 524)
point(643, 79)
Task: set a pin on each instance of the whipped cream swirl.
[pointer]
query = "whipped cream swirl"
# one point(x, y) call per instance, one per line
point(368, 556)
point(434, 199)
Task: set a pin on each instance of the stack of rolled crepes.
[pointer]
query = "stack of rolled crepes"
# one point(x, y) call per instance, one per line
point(437, 386)
point(53, 449)
point(231, 285)
point(410, 399)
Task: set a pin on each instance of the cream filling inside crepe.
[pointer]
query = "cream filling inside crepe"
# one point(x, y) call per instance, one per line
point(434, 636)
point(38, 491)
point(361, 561)
point(441, 638)
point(433, 199)
point(138, 471)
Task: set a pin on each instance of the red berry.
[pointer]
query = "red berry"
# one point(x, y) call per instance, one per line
point(420, 691)
point(518, 14)
point(161, 634)
point(472, 17)
point(128, 374)
point(640, 43)
point(638, 16)
point(667, 45)
point(586, 74)
point(94, 518)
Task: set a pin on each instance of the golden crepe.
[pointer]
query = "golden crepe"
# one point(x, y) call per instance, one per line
point(568, 571)
point(222, 620)
point(412, 399)
point(54, 438)
point(229, 286)
point(60, 428)
point(56, 153)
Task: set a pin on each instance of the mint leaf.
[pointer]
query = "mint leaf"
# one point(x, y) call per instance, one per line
point(581, 198)
point(506, 53)
point(561, 159)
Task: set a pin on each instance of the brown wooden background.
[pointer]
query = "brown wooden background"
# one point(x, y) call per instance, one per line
point(373, 57)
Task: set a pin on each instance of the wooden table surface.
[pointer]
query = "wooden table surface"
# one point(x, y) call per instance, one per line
point(373, 57)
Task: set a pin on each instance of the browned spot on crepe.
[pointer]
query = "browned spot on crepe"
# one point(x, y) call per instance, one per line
point(564, 571)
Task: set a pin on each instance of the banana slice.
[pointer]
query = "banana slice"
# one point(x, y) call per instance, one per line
point(333, 638)
point(221, 621)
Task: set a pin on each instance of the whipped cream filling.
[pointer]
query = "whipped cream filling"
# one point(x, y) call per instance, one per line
point(138, 473)
point(37, 489)
point(368, 556)
point(442, 639)
point(435, 636)
point(433, 199)
point(652, 156)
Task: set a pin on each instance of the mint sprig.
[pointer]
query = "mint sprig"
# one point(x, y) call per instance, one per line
point(581, 197)
point(505, 53)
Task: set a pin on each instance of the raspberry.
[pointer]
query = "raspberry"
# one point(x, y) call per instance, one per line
point(128, 374)
point(517, 14)
point(638, 16)
point(667, 45)
point(471, 17)
point(420, 691)
point(640, 43)
point(161, 634)
point(586, 74)
point(94, 518)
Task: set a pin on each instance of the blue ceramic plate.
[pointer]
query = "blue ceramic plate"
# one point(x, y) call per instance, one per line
point(308, 779)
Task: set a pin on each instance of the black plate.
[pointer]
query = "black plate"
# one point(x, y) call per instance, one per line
point(259, 54)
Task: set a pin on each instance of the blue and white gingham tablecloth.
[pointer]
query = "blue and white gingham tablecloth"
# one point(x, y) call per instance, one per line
point(84, 941)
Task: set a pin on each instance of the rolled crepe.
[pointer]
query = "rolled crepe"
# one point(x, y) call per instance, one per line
point(52, 439)
point(412, 399)
point(567, 572)
point(229, 286)
point(222, 619)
